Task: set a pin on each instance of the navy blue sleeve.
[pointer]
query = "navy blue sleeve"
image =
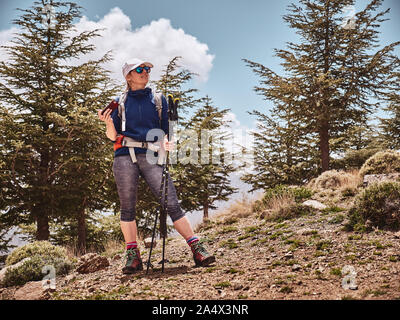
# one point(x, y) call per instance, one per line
point(164, 116)
point(117, 121)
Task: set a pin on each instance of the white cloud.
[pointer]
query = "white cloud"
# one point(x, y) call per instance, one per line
point(157, 42)
point(5, 37)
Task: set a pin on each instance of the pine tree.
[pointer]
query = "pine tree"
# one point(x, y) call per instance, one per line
point(282, 155)
point(207, 175)
point(332, 73)
point(52, 142)
point(391, 126)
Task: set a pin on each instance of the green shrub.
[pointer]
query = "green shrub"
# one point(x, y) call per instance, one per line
point(41, 253)
point(37, 248)
point(380, 204)
point(353, 159)
point(382, 162)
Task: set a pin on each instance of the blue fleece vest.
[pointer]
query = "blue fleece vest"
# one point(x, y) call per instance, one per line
point(141, 116)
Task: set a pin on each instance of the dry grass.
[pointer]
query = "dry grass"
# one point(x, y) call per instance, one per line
point(241, 208)
point(336, 180)
point(353, 181)
point(278, 205)
point(111, 247)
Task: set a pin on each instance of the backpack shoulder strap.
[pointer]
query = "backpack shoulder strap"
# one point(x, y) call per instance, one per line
point(121, 109)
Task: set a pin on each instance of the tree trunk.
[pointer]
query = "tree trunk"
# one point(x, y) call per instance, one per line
point(81, 231)
point(42, 232)
point(324, 145)
point(205, 206)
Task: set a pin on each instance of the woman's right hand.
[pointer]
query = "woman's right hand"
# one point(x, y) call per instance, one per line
point(106, 116)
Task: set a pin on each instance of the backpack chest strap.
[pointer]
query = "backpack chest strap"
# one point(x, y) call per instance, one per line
point(156, 147)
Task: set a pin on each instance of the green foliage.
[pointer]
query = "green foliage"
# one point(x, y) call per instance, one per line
point(49, 128)
point(380, 204)
point(391, 125)
point(99, 229)
point(353, 159)
point(37, 248)
point(321, 99)
point(387, 161)
point(39, 254)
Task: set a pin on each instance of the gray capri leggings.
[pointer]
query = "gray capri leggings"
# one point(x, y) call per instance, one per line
point(126, 174)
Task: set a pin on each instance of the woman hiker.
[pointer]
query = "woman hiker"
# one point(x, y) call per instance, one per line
point(140, 117)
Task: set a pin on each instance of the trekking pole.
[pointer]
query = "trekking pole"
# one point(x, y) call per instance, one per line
point(172, 115)
point(152, 241)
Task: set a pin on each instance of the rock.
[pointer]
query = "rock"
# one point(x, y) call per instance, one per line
point(296, 267)
point(314, 204)
point(288, 255)
point(371, 178)
point(92, 262)
point(397, 235)
point(147, 242)
point(33, 290)
point(117, 257)
point(237, 287)
point(4, 270)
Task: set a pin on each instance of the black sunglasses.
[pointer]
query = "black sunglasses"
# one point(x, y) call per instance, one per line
point(140, 69)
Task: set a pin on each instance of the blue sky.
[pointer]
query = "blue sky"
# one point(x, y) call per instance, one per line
point(232, 30)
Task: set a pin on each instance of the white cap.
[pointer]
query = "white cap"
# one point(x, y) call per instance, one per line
point(132, 64)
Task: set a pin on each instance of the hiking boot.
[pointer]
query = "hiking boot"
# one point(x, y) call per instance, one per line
point(133, 262)
point(200, 255)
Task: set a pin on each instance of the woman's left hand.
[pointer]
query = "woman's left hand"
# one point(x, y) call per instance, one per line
point(168, 145)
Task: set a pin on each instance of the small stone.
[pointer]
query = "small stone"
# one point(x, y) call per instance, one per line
point(288, 255)
point(314, 204)
point(237, 287)
point(296, 267)
point(147, 243)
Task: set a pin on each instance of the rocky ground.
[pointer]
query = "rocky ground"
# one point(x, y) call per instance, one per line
point(303, 258)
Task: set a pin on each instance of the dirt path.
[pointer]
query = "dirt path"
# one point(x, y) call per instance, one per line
point(302, 258)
